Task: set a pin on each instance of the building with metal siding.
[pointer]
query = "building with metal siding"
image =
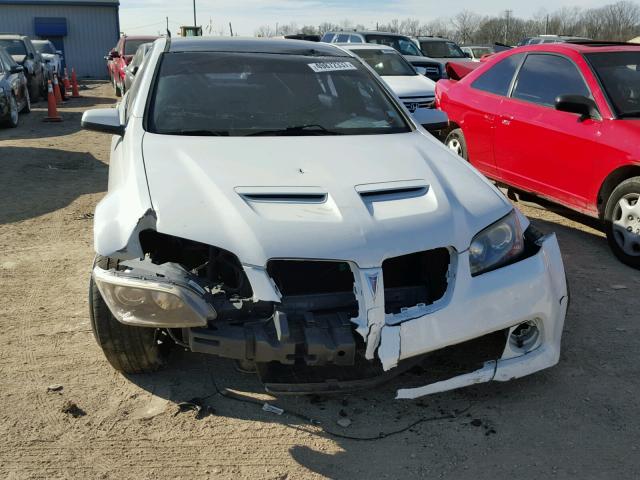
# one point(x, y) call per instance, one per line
point(85, 30)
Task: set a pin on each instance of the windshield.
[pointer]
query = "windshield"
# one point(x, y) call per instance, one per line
point(14, 47)
point(130, 46)
point(479, 52)
point(619, 74)
point(386, 62)
point(238, 94)
point(402, 44)
point(44, 47)
point(435, 49)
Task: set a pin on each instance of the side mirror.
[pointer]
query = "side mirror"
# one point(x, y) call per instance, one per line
point(134, 70)
point(104, 120)
point(467, 54)
point(31, 55)
point(17, 69)
point(431, 119)
point(583, 106)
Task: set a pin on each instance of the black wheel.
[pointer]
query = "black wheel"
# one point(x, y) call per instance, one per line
point(622, 222)
point(456, 143)
point(13, 117)
point(34, 90)
point(128, 349)
point(27, 103)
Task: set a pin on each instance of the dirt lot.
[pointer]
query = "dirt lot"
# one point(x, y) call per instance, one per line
point(580, 419)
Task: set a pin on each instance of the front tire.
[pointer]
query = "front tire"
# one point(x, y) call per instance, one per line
point(457, 143)
point(13, 117)
point(622, 222)
point(128, 349)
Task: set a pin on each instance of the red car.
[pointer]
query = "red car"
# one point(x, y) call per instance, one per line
point(562, 122)
point(120, 56)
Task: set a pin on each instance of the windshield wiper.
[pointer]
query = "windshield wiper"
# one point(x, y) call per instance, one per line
point(298, 130)
point(631, 114)
point(198, 133)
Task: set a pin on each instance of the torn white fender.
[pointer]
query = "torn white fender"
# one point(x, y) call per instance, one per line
point(485, 374)
point(126, 210)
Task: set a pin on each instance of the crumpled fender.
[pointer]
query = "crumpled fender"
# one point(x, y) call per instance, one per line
point(126, 210)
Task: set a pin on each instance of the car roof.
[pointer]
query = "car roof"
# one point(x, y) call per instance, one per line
point(365, 46)
point(140, 37)
point(436, 39)
point(254, 45)
point(582, 47)
point(368, 32)
point(12, 36)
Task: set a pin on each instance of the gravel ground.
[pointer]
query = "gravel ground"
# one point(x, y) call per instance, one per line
point(580, 419)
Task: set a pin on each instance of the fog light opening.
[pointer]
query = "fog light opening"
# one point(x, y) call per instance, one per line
point(525, 336)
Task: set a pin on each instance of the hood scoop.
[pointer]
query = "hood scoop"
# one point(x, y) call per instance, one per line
point(282, 194)
point(376, 192)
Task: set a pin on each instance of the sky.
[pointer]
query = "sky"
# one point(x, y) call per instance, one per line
point(139, 17)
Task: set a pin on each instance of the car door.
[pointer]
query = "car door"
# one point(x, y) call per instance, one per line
point(481, 104)
point(539, 148)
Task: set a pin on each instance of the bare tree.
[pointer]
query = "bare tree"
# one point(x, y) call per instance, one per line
point(466, 24)
point(264, 31)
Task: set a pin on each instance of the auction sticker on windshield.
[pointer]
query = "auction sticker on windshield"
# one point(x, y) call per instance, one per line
point(332, 66)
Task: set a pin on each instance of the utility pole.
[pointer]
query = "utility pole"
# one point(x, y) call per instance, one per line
point(195, 22)
point(506, 30)
point(230, 29)
point(546, 26)
point(167, 18)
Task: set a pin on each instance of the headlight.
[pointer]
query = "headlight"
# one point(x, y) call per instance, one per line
point(152, 303)
point(496, 245)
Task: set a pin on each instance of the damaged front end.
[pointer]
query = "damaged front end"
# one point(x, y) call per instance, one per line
point(327, 326)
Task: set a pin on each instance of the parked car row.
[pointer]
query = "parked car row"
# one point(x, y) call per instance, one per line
point(274, 202)
point(14, 90)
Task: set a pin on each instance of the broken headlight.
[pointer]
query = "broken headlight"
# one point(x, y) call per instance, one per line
point(496, 245)
point(157, 303)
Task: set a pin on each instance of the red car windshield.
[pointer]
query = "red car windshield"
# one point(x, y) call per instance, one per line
point(619, 74)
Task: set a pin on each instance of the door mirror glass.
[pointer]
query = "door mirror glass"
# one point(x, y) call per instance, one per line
point(431, 119)
point(105, 120)
point(583, 106)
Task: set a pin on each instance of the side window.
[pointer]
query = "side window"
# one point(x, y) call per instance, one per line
point(543, 77)
point(355, 39)
point(498, 78)
point(407, 47)
point(342, 38)
point(327, 37)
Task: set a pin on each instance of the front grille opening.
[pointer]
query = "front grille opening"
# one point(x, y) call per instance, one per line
point(297, 277)
point(415, 278)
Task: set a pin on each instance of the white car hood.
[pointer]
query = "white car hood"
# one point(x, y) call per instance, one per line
point(413, 86)
point(201, 189)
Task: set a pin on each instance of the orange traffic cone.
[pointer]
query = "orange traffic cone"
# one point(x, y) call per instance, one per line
point(65, 81)
point(56, 90)
point(52, 110)
point(74, 85)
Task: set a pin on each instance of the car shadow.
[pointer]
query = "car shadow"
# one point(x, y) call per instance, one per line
point(55, 179)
